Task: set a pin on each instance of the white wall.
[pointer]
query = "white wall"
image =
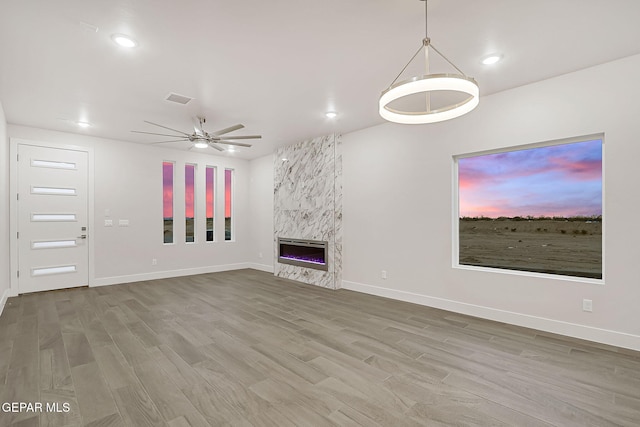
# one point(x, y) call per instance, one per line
point(128, 183)
point(398, 213)
point(261, 254)
point(4, 210)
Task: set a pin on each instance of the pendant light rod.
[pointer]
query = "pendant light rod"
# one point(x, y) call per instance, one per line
point(426, 20)
point(425, 44)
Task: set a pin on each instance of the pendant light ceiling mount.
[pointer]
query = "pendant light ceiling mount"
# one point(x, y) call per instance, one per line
point(427, 84)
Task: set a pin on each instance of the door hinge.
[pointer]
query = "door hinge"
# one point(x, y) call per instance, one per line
point(17, 196)
point(17, 234)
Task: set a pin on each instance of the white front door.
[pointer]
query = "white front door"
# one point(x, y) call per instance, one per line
point(52, 218)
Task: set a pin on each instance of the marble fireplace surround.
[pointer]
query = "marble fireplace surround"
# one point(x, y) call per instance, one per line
point(308, 205)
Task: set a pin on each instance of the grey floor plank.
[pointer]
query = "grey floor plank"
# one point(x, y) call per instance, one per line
point(132, 348)
point(136, 407)
point(94, 398)
point(21, 385)
point(113, 420)
point(168, 398)
point(174, 367)
point(58, 414)
point(78, 349)
point(113, 365)
point(189, 352)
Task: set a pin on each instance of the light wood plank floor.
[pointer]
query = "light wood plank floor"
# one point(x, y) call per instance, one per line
point(244, 348)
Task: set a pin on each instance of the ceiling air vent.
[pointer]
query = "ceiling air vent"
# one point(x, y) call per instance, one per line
point(180, 99)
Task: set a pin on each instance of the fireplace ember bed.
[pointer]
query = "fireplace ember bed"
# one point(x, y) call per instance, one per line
point(303, 253)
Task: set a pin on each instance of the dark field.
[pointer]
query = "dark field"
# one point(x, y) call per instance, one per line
point(572, 248)
point(189, 227)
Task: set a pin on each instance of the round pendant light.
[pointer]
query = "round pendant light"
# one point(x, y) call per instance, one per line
point(460, 84)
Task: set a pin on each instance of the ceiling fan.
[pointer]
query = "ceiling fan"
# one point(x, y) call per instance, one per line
point(201, 138)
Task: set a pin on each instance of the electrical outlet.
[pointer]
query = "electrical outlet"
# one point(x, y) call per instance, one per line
point(259, 254)
point(383, 274)
point(154, 262)
point(587, 305)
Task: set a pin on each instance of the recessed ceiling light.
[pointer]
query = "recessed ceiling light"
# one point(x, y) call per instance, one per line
point(83, 124)
point(492, 59)
point(331, 114)
point(124, 41)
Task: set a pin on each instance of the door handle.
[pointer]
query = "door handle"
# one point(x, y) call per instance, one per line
point(84, 236)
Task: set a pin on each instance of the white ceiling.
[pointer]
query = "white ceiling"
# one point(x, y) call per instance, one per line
point(277, 65)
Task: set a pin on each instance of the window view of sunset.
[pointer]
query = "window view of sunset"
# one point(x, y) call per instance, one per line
point(210, 198)
point(167, 200)
point(189, 201)
point(228, 176)
point(537, 209)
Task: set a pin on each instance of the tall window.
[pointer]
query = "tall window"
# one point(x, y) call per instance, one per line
point(189, 202)
point(537, 209)
point(228, 211)
point(167, 201)
point(210, 198)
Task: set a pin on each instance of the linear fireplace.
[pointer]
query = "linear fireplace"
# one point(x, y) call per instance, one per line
point(303, 253)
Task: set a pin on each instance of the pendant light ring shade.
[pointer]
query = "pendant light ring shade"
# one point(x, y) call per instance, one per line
point(427, 84)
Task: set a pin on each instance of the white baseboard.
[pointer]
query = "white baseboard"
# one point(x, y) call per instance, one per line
point(3, 300)
point(116, 280)
point(261, 267)
point(604, 336)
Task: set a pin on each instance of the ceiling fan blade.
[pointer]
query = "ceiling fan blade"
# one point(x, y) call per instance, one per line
point(212, 145)
point(239, 144)
point(229, 129)
point(172, 140)
point(164, 127)
point(158, 134)
point(243, 137)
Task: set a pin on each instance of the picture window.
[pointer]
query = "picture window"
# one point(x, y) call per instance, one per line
point(536, 209)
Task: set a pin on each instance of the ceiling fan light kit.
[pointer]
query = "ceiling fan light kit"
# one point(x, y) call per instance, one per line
point(427, 84)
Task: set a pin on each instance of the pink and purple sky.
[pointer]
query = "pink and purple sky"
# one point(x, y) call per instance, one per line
point(167, 185)
point(560, 180)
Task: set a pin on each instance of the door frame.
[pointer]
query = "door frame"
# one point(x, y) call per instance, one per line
point(13, 204)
